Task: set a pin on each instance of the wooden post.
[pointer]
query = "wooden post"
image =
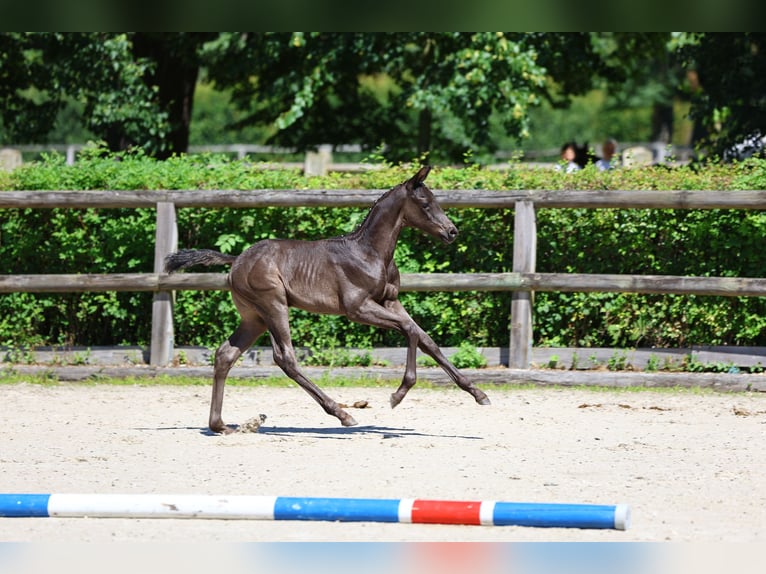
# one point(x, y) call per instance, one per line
point(524, 257)
point(71, 153)
point(317, 162)
point(166, 242)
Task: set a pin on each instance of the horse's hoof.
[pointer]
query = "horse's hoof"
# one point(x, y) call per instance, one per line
point(395, 400)
point(348, 421)
point(484, 401)
point(226, 429)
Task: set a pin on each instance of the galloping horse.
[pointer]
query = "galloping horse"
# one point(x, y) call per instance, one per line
point(352, 275)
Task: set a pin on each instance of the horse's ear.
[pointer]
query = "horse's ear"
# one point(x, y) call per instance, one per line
point(418, 179)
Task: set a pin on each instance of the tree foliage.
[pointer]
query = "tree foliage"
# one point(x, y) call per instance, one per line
point(729, 91)
point(40, 71)
point(414, 92)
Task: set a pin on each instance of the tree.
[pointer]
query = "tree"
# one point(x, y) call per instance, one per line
point(415, 92)
point(642, 72)
point(419, 92)
point(26, 111)
point(40, 71)
point(174, 69)
point(137, 88)
point(729, 90)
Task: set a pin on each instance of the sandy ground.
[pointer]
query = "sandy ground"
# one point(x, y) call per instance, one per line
point(691, 466)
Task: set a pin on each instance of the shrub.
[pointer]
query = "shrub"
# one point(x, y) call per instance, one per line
point(468, 357)
point(677, 242)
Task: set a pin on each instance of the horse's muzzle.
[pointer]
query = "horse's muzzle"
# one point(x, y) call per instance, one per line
point(449, 234)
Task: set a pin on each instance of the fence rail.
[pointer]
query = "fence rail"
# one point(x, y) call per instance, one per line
point(487, 199)
point(565, 282)
point(522, 281)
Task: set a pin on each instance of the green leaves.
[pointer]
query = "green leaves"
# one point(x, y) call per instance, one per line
point(477, 75)
point(675, 242)
point(441, 93)
point(728, 98)
point(227, 242)
point(97, 69)
point(415, 92)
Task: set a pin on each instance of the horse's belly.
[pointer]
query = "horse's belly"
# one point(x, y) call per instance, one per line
point(315, 299)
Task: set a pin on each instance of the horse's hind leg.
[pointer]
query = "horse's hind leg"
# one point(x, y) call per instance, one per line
point(226, 355)
point(284, 356)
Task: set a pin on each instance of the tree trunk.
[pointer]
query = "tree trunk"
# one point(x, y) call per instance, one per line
point(175, 75)
point(662, 122)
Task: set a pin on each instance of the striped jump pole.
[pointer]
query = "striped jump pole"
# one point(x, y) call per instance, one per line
point(408, 510)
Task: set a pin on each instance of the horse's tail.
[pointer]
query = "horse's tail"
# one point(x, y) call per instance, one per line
point(189, 257)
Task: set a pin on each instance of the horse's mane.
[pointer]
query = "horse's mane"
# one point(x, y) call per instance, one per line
point(375, 204)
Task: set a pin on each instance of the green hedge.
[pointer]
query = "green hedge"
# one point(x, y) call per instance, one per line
point(677, 242)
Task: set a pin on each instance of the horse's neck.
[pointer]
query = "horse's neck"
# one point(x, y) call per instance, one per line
point(382, 226)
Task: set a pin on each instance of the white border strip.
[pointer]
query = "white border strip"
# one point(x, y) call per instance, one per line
point(405, 510)
point(487, 513)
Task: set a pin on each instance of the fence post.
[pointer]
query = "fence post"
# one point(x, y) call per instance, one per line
point(524, 257)
point(317, 162)
point(71, 154)
point(166, 242)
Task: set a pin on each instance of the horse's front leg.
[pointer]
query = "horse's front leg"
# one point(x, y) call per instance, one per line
point(428, 346)
point(390, 315)
point(410, 371)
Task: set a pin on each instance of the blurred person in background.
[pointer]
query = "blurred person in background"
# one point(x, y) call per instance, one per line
point(608, 149)
point(568, 155)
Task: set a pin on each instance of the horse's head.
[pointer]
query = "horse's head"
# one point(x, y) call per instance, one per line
point(422, 211)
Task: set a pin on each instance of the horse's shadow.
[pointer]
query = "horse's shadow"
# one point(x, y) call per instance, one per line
point(349, 432)
point(337, 433)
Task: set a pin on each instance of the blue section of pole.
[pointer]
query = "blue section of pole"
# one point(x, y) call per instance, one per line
point(340, 509)
point(24, 505)
point(560, 515)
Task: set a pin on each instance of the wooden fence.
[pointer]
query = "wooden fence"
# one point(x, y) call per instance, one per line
point(522, 280)
point(660, 151)
point(317, 162)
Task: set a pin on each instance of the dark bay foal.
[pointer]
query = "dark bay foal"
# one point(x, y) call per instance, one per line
point(352, 275)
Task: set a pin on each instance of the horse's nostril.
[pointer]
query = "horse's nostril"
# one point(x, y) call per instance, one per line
point(453, 232)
